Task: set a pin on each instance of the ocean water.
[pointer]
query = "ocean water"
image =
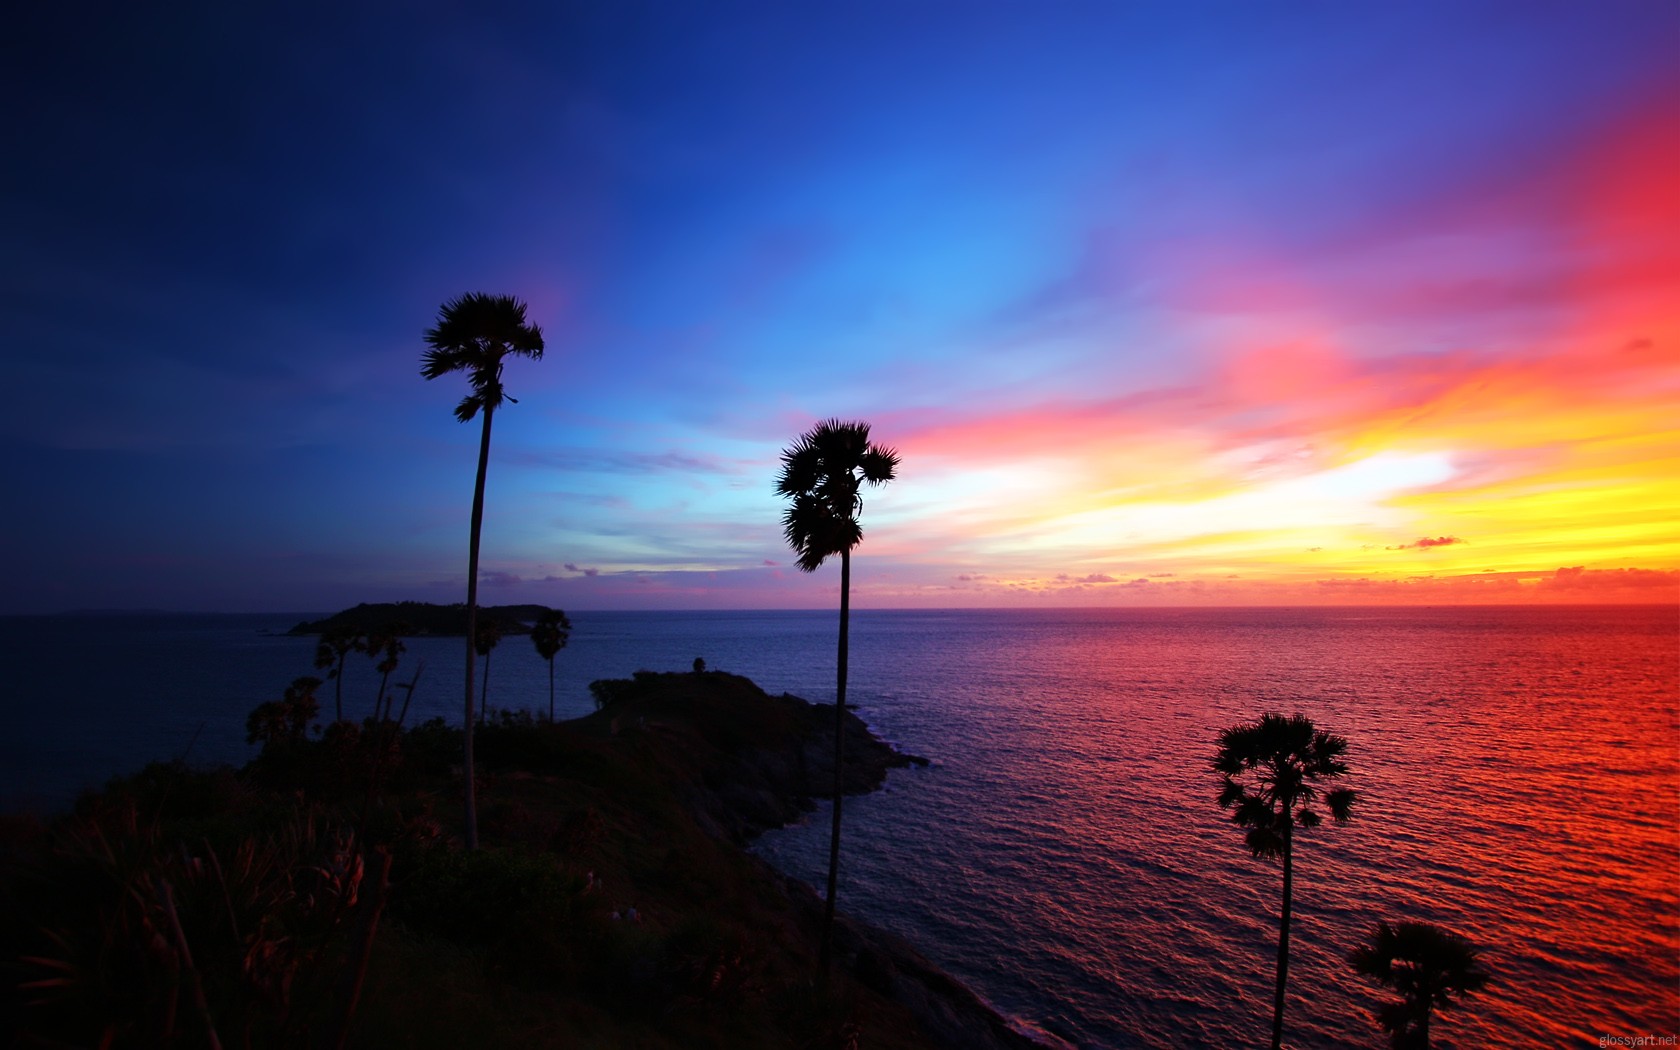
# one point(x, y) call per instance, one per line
point(1519, 774)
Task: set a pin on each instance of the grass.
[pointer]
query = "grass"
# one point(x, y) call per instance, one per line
point(271, 874)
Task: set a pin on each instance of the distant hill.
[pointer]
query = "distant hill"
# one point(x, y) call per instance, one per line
point(423, 618)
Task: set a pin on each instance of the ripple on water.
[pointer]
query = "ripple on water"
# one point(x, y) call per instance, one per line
point(1518, 782)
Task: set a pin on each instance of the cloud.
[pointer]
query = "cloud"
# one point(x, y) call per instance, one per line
point(634, 464)
point(1095, 577)
point(499, 579)
point(1426, 542)
point(1581, 578)
point(569, 567)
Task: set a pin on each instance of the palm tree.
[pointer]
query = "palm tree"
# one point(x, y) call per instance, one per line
point(822, 474)
point(549, 635)
point(330, 652)
point(1270, 771)
point(387, 645)
point(1427, 966)
point(489, 636)
point(474, 334)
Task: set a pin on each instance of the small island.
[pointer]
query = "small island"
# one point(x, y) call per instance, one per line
point(320, 895)
point(406, 619)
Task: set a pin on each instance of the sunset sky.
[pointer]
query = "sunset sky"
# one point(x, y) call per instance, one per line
point(1160, 303)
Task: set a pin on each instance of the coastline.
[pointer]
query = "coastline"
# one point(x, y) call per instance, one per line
point(771, 784)
point(616, 903)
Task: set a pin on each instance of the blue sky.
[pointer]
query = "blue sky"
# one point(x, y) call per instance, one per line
point(1043, 248)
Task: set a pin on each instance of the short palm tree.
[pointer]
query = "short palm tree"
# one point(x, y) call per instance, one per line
point(386, 646)
point(823, 474)
point(489, 636)
point(1427, 966)
point(1270, 771)
point(475, 334)
point(330, 652)
point(549, 635)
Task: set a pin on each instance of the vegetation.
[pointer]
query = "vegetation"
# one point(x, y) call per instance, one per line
point(823, 474)
point(488, 636)
point(313, 898)
point(1270, 772)
point(1427, 966)
point(474, 334)
point(386, 648)
point(336, 644)
point(549, 635)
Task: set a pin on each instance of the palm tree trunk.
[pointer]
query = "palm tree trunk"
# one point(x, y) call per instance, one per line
point(551, 689)
point(471, 822)
point(484, 693)
point(1283, 939)
point(826, 951)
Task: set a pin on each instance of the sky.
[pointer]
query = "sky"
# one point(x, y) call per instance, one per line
point(1160, 303)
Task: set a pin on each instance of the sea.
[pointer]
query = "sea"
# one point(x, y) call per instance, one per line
point(1518, 772)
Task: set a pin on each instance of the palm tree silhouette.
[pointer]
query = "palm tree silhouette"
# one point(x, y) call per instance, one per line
point(549, 635)
point(474, 334)
point(387, 645)
point(1427, 966)
point(822, 474)
point(489, 636)
point(1270, 771)
point(330, 652)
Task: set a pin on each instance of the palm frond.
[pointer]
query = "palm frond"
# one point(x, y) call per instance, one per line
point(821, 473)
point(474, 333)
point(1271, 770)
point(1341, 803)
point(879, 465)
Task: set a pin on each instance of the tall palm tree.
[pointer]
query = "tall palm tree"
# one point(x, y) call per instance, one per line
point(549, 635)
point(822, 474)
point(474, 334)
point(1270, 771)
point(1427, 966)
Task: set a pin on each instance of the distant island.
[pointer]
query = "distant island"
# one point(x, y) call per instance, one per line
point(416, 618)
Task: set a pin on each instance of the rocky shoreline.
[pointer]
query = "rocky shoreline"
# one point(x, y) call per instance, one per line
point(754, 784)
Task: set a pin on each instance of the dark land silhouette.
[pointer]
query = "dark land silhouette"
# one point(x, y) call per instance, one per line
point(408, 619)
point(321, 899)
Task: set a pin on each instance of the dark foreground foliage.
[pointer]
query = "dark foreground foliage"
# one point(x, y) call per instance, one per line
point(319, 898)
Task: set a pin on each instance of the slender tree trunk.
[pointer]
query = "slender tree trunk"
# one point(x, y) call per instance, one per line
point(826, 952)
point(1423, 1026)
point(338, 689)
point(484, 693)
point(551, 689)
point(408, 696)
point(471, 823)
point(1283, 938)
